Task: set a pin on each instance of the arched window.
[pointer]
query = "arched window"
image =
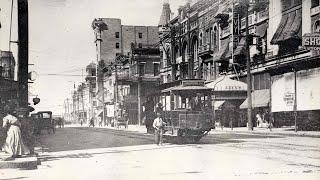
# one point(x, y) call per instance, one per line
point(316, 26)
point(200, 39)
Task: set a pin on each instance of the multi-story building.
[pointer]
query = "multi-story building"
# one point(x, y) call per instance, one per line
point(207, 40)
point(8, 86)
point(114, 39)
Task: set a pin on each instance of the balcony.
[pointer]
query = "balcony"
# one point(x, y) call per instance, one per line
point(90, 78)
point(205, 50)
point(145, 73)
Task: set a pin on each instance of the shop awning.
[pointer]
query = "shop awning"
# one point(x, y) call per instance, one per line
point(241, 47)
point(289, 27)
point(260, 98)
point(224, 83)
point(261, 30)
point(221, 55)
point(99, 113)
point(218, 104)
point(186, 88)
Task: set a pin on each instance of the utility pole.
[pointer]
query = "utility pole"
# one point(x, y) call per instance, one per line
point(82, 94)
point(23, 61)
point(249, 85)
point(98, 25)
point(295, 100)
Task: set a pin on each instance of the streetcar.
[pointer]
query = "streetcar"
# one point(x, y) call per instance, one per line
point(188, 115)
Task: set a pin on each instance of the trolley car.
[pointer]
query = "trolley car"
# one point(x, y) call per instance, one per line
point(188, 114)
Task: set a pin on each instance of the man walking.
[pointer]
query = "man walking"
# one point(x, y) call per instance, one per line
point(158, 126)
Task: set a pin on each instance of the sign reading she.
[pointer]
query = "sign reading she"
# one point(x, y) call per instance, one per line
point(311, 41)
point(289, 98)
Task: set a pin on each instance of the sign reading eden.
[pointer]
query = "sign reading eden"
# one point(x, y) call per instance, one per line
point(289, 98)
point(232, 88)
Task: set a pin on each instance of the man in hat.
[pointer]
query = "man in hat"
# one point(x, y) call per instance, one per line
point(158, 126)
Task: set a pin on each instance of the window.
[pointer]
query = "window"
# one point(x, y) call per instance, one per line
point(117, 34)
point(117, 45)
point(140, 45)
point(314, 3)
point(140, 35)
point(155, 69)
point(316, 26)
point(141, 69)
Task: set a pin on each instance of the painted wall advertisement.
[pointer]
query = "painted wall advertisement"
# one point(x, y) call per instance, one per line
point(308, 91)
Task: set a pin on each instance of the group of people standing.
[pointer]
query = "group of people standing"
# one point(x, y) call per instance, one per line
point(264, 120)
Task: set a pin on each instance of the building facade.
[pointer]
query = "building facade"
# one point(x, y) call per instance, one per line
point(207, 40)
point(114, 40)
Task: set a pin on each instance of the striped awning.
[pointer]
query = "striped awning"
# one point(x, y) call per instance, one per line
point(289, 27)
point(221, 54)
point(241, 47)
point(260, 98)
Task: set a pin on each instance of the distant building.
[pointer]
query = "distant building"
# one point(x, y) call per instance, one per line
point(8, 87)
point(7, 65)
point(117, 38)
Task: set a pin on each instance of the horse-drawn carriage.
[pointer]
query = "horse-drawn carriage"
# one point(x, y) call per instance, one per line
point(43, 121)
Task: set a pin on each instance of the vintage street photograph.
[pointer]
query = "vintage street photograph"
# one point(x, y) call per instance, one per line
point(160, 89)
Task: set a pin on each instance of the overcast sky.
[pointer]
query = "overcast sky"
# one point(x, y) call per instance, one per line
point(61, 38)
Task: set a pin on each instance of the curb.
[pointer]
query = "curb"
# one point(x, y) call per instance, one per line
point(270, 133)
point(28, 163)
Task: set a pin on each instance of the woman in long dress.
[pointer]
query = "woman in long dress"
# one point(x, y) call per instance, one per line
point(14, 145)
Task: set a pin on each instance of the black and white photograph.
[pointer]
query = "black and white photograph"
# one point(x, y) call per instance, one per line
point(160, 89)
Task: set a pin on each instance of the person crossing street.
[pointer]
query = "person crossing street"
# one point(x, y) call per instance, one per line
point(158, 126)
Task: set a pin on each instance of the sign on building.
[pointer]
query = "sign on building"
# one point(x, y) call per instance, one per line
point(282, 91)
point(311, 41)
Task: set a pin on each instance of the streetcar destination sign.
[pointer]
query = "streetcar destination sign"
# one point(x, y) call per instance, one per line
point(311, 41)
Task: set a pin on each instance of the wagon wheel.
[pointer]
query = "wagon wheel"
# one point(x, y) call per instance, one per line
point(181, 138)
point(196, 139)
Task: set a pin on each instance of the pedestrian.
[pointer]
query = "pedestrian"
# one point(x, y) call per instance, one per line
point(159, 109)
point(13, 145)
point(149, 115)
point(100, 121)
point(158, 126)
point(271, 121)
point(259, 119)
point(91, 122)
point(81, 122)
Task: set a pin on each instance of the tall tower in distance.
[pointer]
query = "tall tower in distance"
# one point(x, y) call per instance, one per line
point(165, 17)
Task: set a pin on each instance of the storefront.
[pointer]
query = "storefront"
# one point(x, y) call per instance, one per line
point(227, 96)
point(295, 88)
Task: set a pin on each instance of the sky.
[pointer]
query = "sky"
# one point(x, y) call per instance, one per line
point(61, 40)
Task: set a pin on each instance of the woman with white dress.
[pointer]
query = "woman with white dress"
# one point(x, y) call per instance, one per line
point(14, 145)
